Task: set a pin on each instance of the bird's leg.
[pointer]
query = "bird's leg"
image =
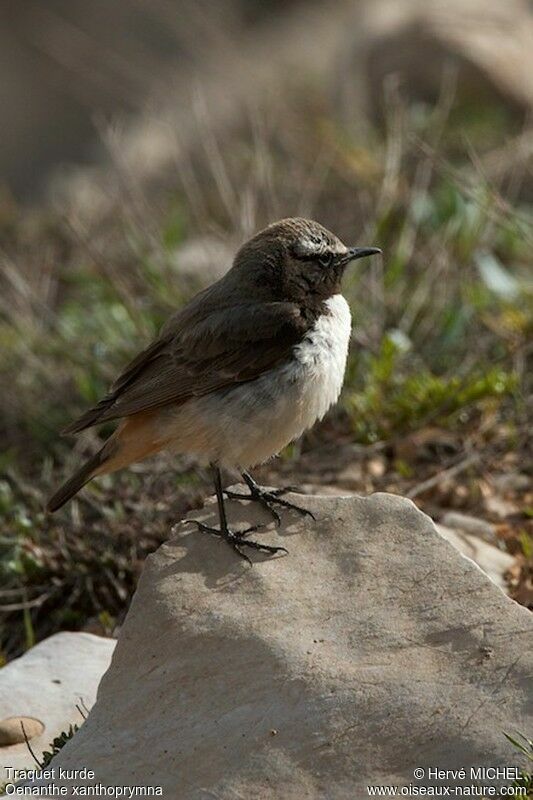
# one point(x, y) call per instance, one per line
point(267, 498)
point(236, 539)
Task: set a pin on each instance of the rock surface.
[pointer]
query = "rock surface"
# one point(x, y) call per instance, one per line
point(494, 562)
point(15, 730)
point(487, 43)
point(43, 687)
point(371, 649)
point(474, 526)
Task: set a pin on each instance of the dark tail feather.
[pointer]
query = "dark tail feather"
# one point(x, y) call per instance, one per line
point(77, 481)
point(90, 418)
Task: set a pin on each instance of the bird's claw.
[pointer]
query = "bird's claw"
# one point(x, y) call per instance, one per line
point(266, 497)
point(237, 539)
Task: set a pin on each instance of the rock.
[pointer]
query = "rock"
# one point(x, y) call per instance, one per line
point(43, 688)
point(419, 42)
point(376, 466)
point(12, 730)
point(500, 507)
point(473, 525)
point(512, 482)
point(494, 562)
point(326, 489)
point(371, 649)
point(352, 476)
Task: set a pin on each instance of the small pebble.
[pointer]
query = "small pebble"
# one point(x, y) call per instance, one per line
point(11, 730)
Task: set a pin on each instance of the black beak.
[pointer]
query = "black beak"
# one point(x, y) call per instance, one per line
point(360, 252)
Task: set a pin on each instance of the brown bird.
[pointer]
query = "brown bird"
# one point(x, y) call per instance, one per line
point(243, 369)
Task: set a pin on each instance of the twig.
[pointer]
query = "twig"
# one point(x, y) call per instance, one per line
point(84, 707)
point(19, 589)
point(28, 745)
point(442, 475)
point(502, 206)
point(38, 601)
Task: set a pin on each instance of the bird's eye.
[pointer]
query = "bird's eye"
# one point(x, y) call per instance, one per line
point(326, 260)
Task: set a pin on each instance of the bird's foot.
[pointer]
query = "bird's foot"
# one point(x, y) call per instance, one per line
point(237, 539)
point(268, 498)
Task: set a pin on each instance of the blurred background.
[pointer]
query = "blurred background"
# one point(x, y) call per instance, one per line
point(143, 140)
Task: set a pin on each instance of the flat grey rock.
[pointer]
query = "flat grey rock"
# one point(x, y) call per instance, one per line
point(488, 42)
point(471, 525)
point(371, 649)
point(494, 562)
point(44, 686)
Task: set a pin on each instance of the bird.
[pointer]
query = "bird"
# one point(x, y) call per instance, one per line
point(239, 372)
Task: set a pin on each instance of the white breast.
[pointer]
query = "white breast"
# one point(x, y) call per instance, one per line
point(321, 358)
point(250, 423)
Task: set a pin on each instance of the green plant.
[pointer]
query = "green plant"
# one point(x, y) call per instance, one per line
point(442, 327)
point(397, 395)
point(524, 746)
point(57, 745)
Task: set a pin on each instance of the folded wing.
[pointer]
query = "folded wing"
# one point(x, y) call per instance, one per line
point(198, 353)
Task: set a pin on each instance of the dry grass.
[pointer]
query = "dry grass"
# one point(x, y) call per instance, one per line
point(441, 346)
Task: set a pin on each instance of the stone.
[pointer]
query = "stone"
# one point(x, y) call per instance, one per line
point(512, 482)
point(499, 507)
point(421, 44)
point(352, 476)
point(43, 688)
point(376, 467)
point(494, 562)
point(473, 525)
point(12, 730)
point(370, 650)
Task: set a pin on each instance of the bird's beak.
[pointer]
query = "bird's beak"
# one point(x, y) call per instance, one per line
point(360, 252)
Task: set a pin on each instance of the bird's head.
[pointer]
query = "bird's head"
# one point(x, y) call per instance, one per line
point(298, 258)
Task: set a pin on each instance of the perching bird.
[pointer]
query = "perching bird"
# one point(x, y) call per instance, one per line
point(243, 369)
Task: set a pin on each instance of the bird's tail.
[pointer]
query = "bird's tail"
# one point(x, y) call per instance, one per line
point(78, 480)
point(135, 438)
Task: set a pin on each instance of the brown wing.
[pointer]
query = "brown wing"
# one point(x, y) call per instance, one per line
point(223, 346)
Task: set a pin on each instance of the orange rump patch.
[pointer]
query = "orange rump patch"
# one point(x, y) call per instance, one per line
point(136, 438)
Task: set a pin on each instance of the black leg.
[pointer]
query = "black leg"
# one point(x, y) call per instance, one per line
point(219, 491)
point(237, 539)
point(267, 498)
